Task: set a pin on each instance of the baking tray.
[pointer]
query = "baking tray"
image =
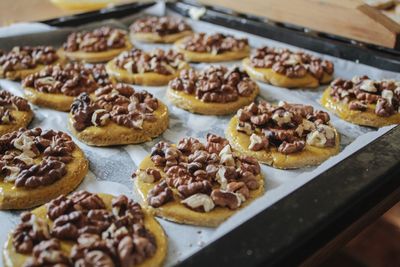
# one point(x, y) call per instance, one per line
point(297, 225)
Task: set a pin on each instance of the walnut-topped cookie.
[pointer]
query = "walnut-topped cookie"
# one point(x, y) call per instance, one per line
point(24, 60)
point(86, 229)
point(15, 112)
point(285, 68)
point(196, 183)
point(202, 47)
point(216, 90)
point(165, 29)
point(117, 115)
point(99, 45)
point(38, 165)
point(364, 101)
point(285, 136)
point(57, 86)
point(157, 67)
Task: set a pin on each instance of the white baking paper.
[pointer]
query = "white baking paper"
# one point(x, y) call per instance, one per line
point(110, 168)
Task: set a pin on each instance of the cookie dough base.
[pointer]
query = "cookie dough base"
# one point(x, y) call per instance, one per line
point(209, 57)
point(115, 134)
point(192, 104)
point(269, 76)
point(177, 212)
point(310, 156)
point(147, 78)
point(94, 57)
point(54, 101)
point(150, 37)
point(21, 120)
point(366, 118)
point(19, 74)
point(13, 259)
point(12, 197)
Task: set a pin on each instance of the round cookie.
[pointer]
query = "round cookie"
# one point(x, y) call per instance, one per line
point(117, 115)
point(213, 91)
point(139, 67)
point(37, 166)
point(109, 230)
point(15, 112)
point(57, 86)
point(218, 47)
point(23, 61)
point(99, 45)
point(165, 29)
point(287, 136)
point(288, 69)
point(195, 183)
point(364, 101)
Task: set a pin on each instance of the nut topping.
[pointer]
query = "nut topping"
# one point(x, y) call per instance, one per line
point(53, 149)
point(158, 61)
point(101, 237)
point(98, 40)
point(362, 93)
point(26, 57)
point(289, 63)
point(287, 127)
point(118, 103)
point(215, 84)
point(194, 173)
point(9, 103)
point(70, 80)
point(159, 25)
point(217, 43)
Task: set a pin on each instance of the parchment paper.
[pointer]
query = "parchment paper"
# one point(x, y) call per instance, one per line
point(111, 168)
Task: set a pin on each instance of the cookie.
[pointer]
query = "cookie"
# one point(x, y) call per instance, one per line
point(22, 61)
point(166, 29)
point(86, 229)
point(286, 136)
point(288, 69)
point(99, 45)
point(215, 90)
point(195, 183)
point(117, 115)
point(38, 165)
point(364, 101)
point(57, 86)
point(217, 47)
point(138, 67)
point(15, 112)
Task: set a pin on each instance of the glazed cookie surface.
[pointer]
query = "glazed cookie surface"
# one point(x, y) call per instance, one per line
point(37, 166)
point(56, 86)
point(99, 45)
point(117, 115)
point(24, 60)
point(15, 112)
point(159, 29)
point(86, 229)
point(364, 101)
point(217, 47)
point(215, 90)
point(195, 183)
point(285, 136)
point(285, 68)
point(138, 67)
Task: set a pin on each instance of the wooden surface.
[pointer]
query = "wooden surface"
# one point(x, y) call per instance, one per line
point(348, 18)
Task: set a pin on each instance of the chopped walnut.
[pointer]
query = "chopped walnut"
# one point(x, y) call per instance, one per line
point(258, 142)
point(215, 43)
point(215, 84)
point(199, 201)
point(118, 103)
point(226, 199)
point(159, 25)
point(160, 195)
point(289, 63)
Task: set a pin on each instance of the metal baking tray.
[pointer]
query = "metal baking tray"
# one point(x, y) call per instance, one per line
point(296, 226)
